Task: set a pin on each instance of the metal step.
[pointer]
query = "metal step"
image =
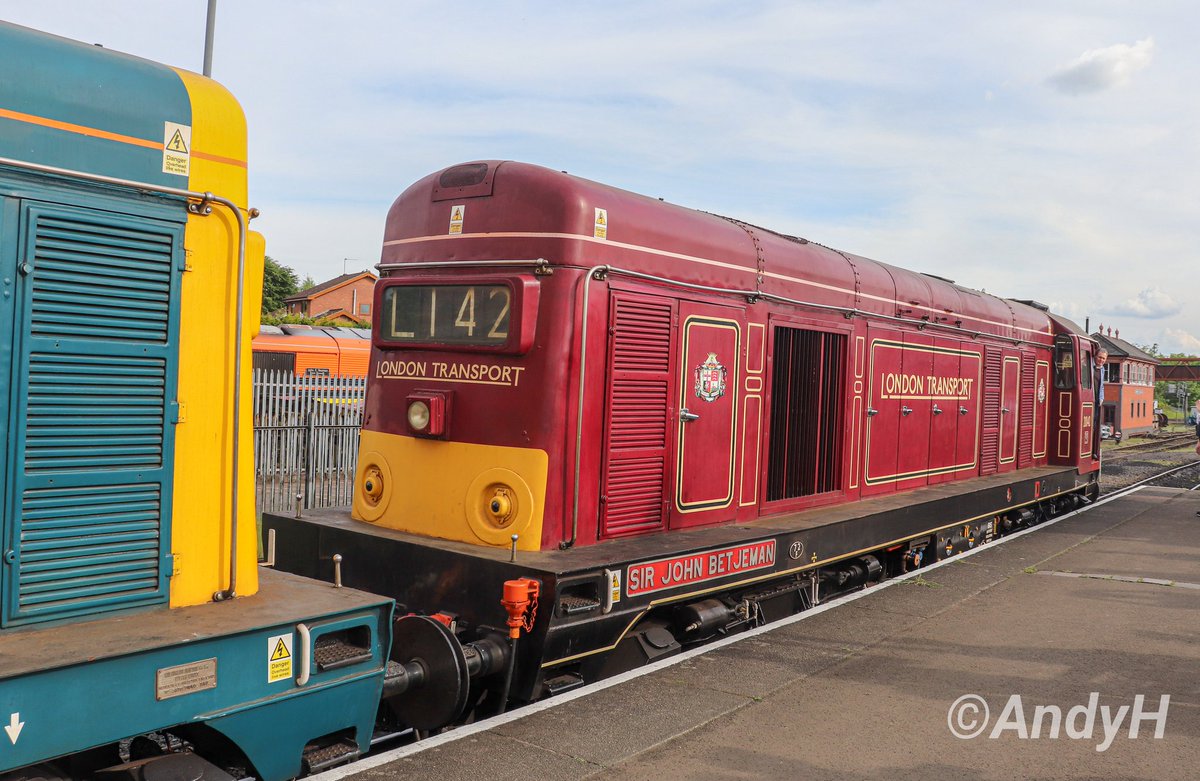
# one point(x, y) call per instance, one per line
point(573, 605)
point(319, 758)
point(562, 683)
point(331, 653)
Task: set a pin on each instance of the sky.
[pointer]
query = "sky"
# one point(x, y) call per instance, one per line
point(1049, 152)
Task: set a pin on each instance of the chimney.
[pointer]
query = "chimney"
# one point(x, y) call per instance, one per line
point(1118, 333)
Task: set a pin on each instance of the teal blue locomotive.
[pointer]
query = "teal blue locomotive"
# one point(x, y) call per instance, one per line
point(137, 632)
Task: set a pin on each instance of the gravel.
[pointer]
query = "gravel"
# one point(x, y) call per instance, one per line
point(1124, 472)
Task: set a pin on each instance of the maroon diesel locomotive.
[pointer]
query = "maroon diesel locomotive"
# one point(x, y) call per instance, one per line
point(665, 425)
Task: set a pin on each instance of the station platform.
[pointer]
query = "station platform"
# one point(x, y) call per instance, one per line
point(1087, 613)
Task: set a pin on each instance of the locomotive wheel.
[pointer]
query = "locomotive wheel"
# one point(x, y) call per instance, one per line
point(443, 696)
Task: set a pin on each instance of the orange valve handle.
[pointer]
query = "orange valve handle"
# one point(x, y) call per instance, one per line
point(520, 601)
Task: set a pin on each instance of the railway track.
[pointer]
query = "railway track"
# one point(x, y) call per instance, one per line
point(1147, 463)
point(398, 746)
point(1169, 442)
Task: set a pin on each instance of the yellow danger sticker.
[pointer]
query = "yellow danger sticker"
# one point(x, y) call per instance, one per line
point(177, 149)
point(456, 218)
point(614, 585)
point(279, 658)
point(601, 231)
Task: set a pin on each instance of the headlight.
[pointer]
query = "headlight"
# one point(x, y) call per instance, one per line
point(427, 413)
point(418, 416)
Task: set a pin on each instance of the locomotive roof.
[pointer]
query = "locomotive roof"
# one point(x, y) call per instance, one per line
point(111, 106)
point(513, 210)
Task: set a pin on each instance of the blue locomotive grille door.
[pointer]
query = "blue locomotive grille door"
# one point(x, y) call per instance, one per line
point(91, 427)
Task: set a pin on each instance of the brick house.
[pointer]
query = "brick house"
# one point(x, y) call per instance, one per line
point(346, 298)
point(1128, 404)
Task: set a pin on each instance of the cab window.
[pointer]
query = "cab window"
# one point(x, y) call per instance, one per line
point(1064, 363)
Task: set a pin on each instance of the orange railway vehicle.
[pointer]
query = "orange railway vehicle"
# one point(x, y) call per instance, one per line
point(313, 351)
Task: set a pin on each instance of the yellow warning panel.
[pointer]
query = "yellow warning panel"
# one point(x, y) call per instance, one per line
point(279, 658)
point(601, 231)
point(177, 143)
point(457, 213)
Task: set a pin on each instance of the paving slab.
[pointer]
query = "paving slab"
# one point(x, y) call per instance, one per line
point(464, 758)
point(865, 690)
point(623, 721)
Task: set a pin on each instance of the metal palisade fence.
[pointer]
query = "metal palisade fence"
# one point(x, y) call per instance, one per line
point(305, 439)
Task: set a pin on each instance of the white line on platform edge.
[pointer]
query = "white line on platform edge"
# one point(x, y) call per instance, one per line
point(553, 702)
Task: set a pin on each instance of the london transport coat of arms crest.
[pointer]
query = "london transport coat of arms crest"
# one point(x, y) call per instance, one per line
point(710, 378)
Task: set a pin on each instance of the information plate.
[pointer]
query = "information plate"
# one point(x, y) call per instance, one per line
point(185, 679)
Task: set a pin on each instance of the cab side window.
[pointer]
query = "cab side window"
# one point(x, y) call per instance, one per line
point(1064, 363)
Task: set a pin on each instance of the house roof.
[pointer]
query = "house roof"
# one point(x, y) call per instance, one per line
point(330, 284)
point(1119, 348)
point(334, 314)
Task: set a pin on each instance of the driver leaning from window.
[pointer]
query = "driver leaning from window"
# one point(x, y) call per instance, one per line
point(1099, 358)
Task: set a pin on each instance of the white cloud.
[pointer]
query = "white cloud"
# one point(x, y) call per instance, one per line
point(1177, 340)
point(1070, 310)
point(863, 126)
point(1097, 70)
point(1150, 303)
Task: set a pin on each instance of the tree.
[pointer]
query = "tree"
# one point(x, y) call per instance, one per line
point(279, 282)
point(308, 282)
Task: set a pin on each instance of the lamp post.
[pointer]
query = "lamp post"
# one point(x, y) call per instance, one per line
point(209, 30)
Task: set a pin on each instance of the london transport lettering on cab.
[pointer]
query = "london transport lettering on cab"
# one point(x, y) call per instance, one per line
point(448, 371)
point(899, 385)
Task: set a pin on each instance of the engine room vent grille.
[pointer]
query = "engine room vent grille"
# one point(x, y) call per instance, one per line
point(94, 432)
point(805, 455)
point(989, 458)
point(637, 415)
point(641, 337)
point(128, 281)
point(92, 545)
point(89, 413)
point(635, 450)
point(1028, 393)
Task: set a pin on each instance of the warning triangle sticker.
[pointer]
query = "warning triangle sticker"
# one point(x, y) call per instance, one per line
point(176, 143)
point(280, 652)
point(600, 220)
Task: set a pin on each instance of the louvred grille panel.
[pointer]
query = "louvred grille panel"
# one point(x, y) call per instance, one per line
point(90, 413)
point(97, 544)
point(641, 337)
point(94, 431)
point(637, 417)
point(127, 274)
point(635, 496)
point(1025, 438)
point(990, 445)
